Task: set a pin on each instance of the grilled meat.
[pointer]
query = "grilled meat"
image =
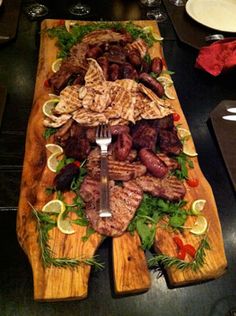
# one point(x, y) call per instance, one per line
point(153, 163)
point(124, 202)
point(171, 163)
point(123, 146)
point(118, 170)
point(169, 188)
point(169, 142)
point(144, 134)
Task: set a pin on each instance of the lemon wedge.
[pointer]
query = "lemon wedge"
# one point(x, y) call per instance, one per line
point(54, 206)
point(54, 148)
point(183, 133)
point(200, 226)
point(149, 29)
point(185, 137)
point(56, 64)
point(166, 81)
point(69, 24)
point(64, 224)
point(189, 150)
point(168, 90)
point(53, 162)
point(49, 106)
point(198, 206)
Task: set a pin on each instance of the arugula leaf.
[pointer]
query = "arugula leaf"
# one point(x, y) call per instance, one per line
point(49, 131)
point(184, 161)
point(89, 232)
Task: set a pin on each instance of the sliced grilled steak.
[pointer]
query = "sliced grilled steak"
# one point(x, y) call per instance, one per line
point(118, 170)
point(90, 190)
point(171, 163)
point(169, 188)
point(124, 202)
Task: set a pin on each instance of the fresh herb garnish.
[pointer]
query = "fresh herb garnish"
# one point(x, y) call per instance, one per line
point(150, 212)
point(49, 131)
point(44, 224)
point(194, 265)
point(184, 162)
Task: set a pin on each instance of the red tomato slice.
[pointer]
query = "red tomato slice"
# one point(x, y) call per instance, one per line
point(181, 254)
point(193, 182)
point(178, 242)
point(190, 250)
point(77, 163)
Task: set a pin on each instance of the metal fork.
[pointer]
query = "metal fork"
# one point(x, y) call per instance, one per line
point(103, 139)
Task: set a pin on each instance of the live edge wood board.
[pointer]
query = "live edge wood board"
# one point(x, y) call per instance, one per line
point(131, 274)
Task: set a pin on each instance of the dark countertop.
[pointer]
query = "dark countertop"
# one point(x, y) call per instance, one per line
point(199, 94)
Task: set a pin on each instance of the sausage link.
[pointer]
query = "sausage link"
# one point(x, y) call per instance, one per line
point(157, 65)
point(152, 83)
point(153, 163)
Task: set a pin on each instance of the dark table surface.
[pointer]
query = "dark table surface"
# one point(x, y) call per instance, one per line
point(199, 94)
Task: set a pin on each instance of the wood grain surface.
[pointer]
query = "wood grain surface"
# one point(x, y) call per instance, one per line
point(129, 263)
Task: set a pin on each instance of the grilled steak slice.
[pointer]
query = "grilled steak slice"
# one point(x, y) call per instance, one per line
point(90, 190)
point(124, 202)
point(169, 188)
point(171, 163)
point(118, 170)
point(169, 142)
point(106, 36)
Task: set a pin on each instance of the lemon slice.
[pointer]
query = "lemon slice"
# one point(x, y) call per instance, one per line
point(188, 149)
point(198, 206)
point(64, 224)
point(54, 206)
point(166, 81)
point(183, 133)
point(53, 162)
point(200, 226)
point(54, 148)
point(56, 64)
point(169, 92)
point(69, 24)
point(49, 106)
point(149, 29)
point(53, 96)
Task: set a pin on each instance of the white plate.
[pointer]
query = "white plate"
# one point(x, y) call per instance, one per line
point(216, 14)
point(0, 3)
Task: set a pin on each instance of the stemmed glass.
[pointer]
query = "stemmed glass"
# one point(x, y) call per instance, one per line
point(79, 9)
point(35, 10)
point(154, 12)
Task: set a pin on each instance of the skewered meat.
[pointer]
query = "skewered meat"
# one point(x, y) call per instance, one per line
point(124, 202)
point(153, 163)
point(169, 188)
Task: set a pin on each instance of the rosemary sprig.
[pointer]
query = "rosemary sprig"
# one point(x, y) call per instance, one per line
point(47, 254)
point(194, 265)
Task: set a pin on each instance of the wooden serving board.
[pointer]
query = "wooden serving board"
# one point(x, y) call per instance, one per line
point(131, 274)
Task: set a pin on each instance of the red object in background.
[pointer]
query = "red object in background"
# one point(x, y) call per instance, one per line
point(218, 57)
point(193, 182)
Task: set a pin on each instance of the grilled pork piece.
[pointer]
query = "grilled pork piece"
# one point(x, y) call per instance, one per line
point(106, 36)
point(166, 122)
point(118, 170)
point(169, 188)
point(169, 142)
point(122, 146)
point(124, 202)
point(144, 134)
point(171, 163)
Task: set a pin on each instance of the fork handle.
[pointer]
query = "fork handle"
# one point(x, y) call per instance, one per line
point(104, 188)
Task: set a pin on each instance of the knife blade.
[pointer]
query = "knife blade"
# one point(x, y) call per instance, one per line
point(229, 117)
point(231, 110)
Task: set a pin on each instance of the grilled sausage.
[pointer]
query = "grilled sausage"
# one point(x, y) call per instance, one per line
point(152, 83)
point(153, 163)
point(94, 52)
point(134, 58)
point(157, 65)
point(114, 72)
point(123, 146)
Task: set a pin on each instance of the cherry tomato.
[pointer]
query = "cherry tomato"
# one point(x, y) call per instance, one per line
point(190, 250)
point(178, 242)
point(46, 83)
point(193, 182)
point(176, 117)
point(61, 22)
point(181, 254)
point(77, 163)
